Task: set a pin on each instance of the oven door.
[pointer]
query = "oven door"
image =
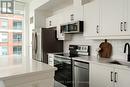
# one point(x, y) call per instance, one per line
point(64, 71)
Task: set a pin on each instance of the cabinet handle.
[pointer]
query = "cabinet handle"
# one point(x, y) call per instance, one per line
point(121, 26)
point(115, 77)
point(50, 23)
point(97, 28)
point(125, 24)
point(111, 76)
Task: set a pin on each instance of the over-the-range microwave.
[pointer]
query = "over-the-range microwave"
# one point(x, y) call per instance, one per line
point(73, 27)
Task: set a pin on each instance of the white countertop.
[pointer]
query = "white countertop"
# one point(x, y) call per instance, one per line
point(16, 66)
point(103, 61)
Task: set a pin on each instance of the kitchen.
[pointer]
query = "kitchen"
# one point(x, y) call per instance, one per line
point(104, 21)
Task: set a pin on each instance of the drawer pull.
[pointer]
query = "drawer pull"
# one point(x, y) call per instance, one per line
point(97, 29)
point(125, 24)
point(121, 26)
point(115, 77)
point(111, 76)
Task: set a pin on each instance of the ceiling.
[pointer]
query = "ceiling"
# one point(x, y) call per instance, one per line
point(26, 1)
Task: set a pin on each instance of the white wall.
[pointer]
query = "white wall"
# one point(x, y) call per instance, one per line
point(26, 30)
point(32, 8)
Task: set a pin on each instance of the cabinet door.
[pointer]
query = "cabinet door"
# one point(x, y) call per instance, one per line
point(123, 78)
point(48, 22)
point(112, 12)
point(78, 10)
point(51, 21)
point(66, 14)
point(51, 59)
point(78, 13)
point(91, 18)
point(100, 76)
point(127, 17)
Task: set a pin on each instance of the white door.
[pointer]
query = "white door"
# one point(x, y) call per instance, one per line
point(127, 18)
point(112, 17)
point(91, 18)
point(101, 76)
point(122, 78)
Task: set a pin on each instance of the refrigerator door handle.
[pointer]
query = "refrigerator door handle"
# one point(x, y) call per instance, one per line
point(36, 43)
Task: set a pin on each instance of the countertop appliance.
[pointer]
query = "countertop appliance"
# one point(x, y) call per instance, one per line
point(80, 74)
point(72, 27)
point(63, 62)
point(44, 41)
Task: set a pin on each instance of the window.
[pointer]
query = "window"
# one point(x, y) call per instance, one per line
point(4, 37)
point(4, 23)
point(4, 50)
point(12, 31)
point(17, 37)
point(7, 6)
point(17, 25)
point(17, 50)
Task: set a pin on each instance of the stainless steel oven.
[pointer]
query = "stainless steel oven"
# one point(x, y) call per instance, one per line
point(64, 64)
point(63, 74)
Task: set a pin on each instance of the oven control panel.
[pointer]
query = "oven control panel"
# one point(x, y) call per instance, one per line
point(84, 49)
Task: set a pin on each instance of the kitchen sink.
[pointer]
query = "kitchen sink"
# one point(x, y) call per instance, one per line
point(120, 63)
point(115, 62)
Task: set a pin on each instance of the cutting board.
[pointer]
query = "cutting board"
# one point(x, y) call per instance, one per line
point(105, 49)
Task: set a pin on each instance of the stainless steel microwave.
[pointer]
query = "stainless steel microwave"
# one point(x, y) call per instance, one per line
point(73, 27)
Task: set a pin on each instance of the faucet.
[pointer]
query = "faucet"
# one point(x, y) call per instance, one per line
point(128, 56)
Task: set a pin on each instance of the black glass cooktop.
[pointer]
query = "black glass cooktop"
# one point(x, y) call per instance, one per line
point(67, 55)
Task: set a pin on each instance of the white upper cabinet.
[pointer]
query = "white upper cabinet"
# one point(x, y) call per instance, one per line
point(127, 18)
point(112, 13)
point(107, 18)
point(78, 10)
point(51, 21)
point(56, 21)
point(91, 18)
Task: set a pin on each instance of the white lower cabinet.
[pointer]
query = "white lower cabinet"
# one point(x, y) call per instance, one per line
point(106, 76)
point(100, 76)
point(51, 59)
point(123, 78)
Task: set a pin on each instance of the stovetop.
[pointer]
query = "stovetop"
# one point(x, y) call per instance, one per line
point(67, 55)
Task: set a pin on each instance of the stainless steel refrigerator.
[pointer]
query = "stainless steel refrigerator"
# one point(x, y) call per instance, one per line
point(45, 41)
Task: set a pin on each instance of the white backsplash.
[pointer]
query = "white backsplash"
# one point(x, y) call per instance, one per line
point(117, 50)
